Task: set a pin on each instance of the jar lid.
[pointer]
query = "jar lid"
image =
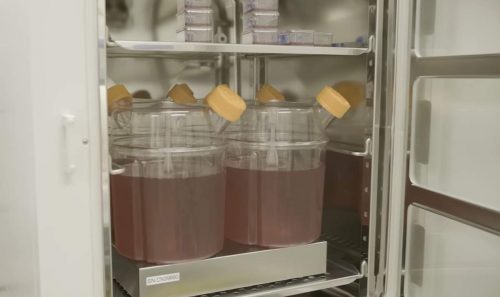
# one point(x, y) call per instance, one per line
point(181, 94)
point(226, 103)
point(116, 94)
point(353, 92)
point(333, 102)
point(268, 93)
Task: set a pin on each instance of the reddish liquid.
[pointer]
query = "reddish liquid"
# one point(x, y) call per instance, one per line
point(126, 216)
point(168, 220)
point(274, 208)
point(344, 188)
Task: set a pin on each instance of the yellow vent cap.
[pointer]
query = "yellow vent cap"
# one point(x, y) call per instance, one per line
point(333, 102)
point(226, 103)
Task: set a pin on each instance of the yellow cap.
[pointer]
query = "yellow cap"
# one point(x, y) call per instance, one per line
point(333, 102)
point(181, 94)
point(353, 92)
point(116, 94)
point(226, 103)
point(206, 97)
point(185, 86)
point(268, 93)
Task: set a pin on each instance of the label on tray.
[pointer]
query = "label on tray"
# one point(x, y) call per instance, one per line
point(163, 279)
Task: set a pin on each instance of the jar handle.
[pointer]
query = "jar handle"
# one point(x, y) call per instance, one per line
point(115, 116)
point(116, 169)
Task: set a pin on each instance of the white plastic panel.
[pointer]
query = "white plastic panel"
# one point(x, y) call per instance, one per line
point(18, 244)
point(455, 139)
point(457, 27)
point(50, 214)
point(447, 258)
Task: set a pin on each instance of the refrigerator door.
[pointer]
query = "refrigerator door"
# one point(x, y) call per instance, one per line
point(50, 150)
point(444, 210)
point(447, 256)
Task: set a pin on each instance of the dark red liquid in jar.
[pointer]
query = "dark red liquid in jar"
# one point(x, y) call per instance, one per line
point(126, 216)
point(274, 208)
point(344, 173)
point(181, 218)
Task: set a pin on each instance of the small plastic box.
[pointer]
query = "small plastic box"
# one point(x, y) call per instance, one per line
point(323, 39)
point(183, 5)
point(196, 34)
point(195, 17)
point(260, 36)
point(297, 37)
point(260, 19)
point(251, 5)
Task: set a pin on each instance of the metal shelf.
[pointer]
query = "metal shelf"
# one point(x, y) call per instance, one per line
point(464, 66)
point(186, 50)
point(339, 274)
point(241, 271)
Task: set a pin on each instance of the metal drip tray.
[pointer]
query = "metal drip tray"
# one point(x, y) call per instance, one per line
point(238, 270)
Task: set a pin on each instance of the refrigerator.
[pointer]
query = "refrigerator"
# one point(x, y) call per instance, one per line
point(411, 201)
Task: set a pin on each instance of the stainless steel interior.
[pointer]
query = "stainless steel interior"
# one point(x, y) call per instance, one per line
point(141, 57)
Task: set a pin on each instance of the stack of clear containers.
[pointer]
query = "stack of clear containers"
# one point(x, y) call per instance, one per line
point(305, 37)
point(323, 39)
point(260, 21)
point(195, 21)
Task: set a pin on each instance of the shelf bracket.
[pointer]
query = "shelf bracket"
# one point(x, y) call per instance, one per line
point(346, 151)
point(364, 268)
point(371, 44)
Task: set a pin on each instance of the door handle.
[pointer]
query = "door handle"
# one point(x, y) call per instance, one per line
point(69, 164)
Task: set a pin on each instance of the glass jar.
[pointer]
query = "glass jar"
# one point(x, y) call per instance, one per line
point(275, 164)
point(168, 202)
point(119, 99)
